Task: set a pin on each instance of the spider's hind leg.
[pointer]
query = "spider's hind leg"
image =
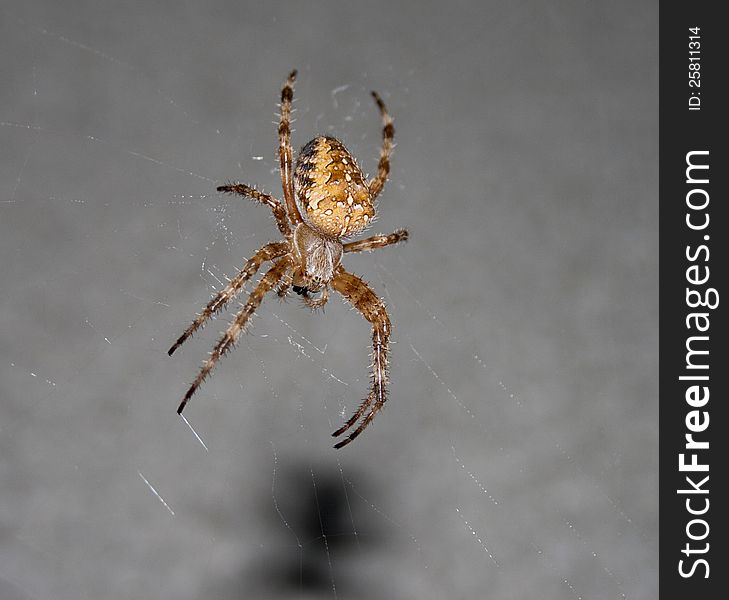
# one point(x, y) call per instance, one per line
point(377, 241)
point(388, 133)
point(279, 212)
point(285, 153)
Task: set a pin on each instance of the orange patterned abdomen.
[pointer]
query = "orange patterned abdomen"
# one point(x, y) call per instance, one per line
point(331, 191)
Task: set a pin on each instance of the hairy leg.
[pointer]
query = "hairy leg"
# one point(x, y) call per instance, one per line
point(285, 153)
point(284, 285)
point(267, 252)
point(279, 212)
point(361, 296)
point(383, 166)
point(377, 241)
point(231, 335)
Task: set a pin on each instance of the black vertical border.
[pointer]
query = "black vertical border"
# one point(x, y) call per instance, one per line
point(682, 131)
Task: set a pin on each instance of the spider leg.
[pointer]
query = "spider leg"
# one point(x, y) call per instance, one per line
point(231, 335)
point(352, 420)
point(267, 252)
point(377, 241)
point(279, 212)
point(285, 153)
point(285, 286)
point(361, 296)
point(383, 166)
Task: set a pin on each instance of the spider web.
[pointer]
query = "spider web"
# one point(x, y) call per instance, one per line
point(518, 451)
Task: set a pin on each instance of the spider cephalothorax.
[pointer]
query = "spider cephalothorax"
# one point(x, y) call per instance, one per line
point(327, 199)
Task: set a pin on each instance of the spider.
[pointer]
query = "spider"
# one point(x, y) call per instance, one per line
point(327, 199)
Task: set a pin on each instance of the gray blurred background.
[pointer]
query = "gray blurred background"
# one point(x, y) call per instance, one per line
point(517, 457)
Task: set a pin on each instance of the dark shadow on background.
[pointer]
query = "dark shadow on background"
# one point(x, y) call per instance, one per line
point(320, 534)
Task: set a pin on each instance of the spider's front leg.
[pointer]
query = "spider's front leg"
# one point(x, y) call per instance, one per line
point(268, 282)
point(361, 296)
point(230, 291)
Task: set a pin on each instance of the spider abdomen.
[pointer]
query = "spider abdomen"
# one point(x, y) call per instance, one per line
point(331, 191)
